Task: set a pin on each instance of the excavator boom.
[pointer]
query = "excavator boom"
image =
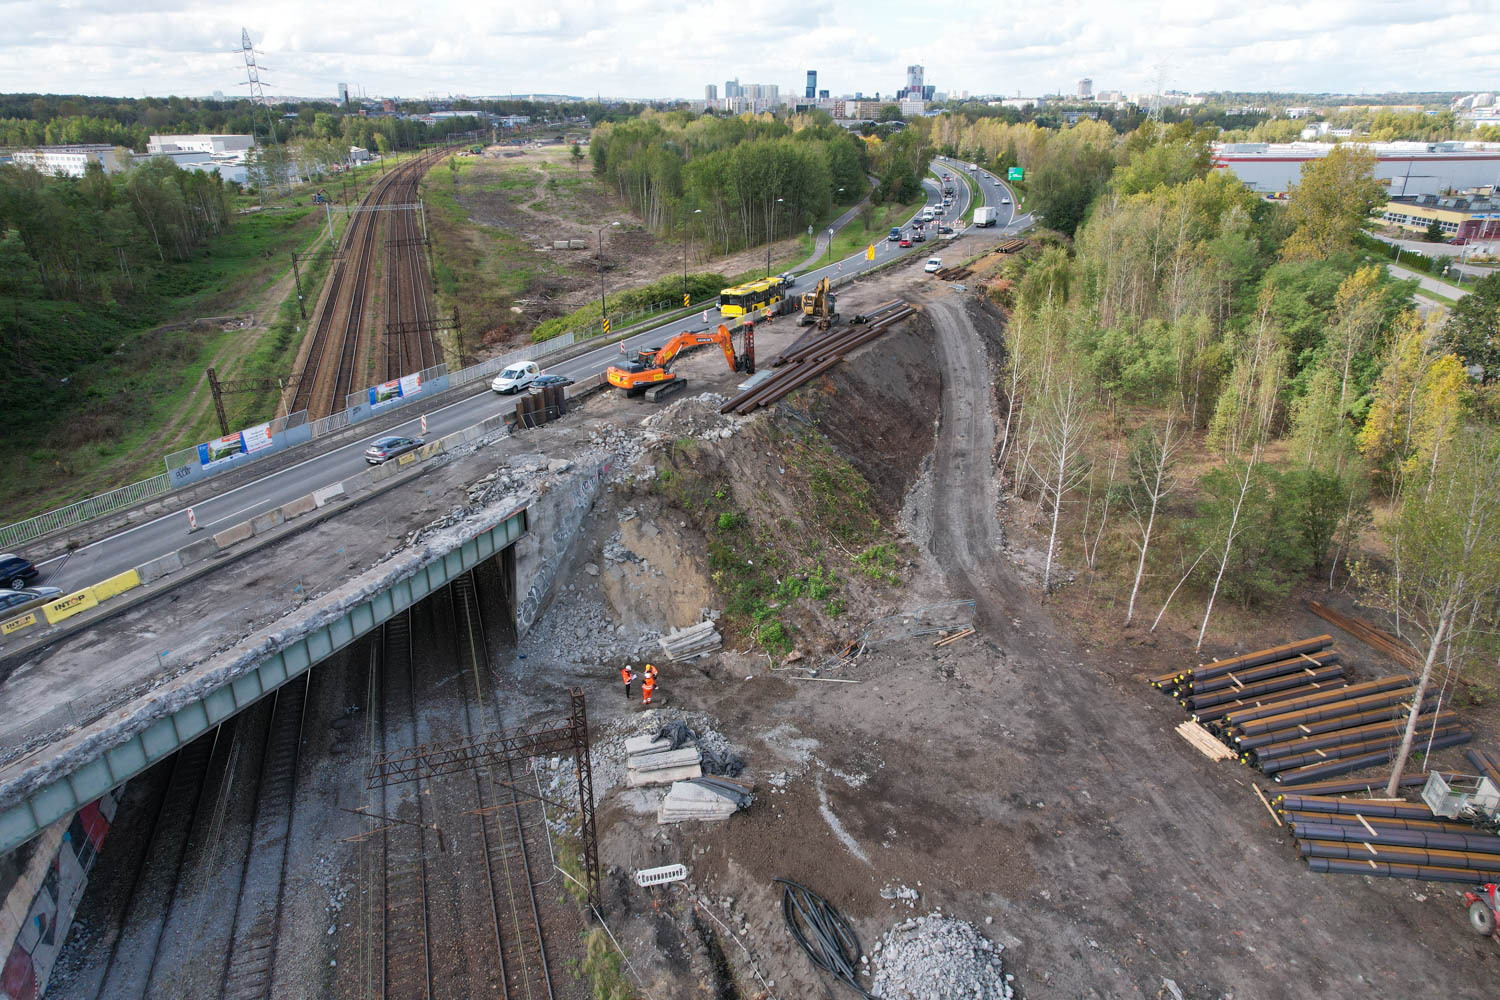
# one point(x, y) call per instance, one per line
point(655, 366)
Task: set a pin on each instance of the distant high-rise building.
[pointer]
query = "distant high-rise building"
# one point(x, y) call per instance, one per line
point(1086, 88)
point(928, 91)
point(822, 95)
point(711, 93)
point(914, 80)
point(812, 83)
point(732, 88)
point(344, 94)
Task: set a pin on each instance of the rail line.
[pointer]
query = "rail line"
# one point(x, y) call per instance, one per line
point(256, 930)
point(404, 944)
point(153, 885)
point(333, 367)
point(515, 917)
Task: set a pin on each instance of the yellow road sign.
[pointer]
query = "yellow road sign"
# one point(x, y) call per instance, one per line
point(870, 252)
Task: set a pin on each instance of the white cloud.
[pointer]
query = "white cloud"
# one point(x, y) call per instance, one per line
point(673, 47)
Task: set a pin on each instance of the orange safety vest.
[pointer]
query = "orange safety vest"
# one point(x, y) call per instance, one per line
point(626, 675)
point(651, 671)
point(647, 686)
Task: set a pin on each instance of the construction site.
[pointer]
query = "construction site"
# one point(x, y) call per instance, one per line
point(872, 761)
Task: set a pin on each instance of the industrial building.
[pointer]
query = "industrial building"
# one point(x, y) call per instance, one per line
point(72, 161)
point(1405, 168)
point(1471, 218)
point(214, 145)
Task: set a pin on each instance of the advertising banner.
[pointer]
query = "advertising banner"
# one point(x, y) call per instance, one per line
point(225, 448)
point(385, 393)
point(411, 384)
point(257, 437)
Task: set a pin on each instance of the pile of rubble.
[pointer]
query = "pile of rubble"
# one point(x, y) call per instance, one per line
point(652, 760)
point(708, 799)
point(579, 630)
point(934, 957)
point(696, 416)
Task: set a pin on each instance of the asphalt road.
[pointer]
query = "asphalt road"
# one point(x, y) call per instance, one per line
point(137, 545)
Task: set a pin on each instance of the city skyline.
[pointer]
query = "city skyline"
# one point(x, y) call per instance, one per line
point(191, 48)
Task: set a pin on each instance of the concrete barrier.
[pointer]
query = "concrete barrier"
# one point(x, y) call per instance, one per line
point(16, 624)
point(455, 440)
point(298, 507)
point(380, 473)
point(117, 584)
point(154, 570)
point(405, 460)
point(66, 607)
point(197, 551)
point(328, 494)
point(233, 535)
point(356, 483)
point(431, 448)
point(262, 523)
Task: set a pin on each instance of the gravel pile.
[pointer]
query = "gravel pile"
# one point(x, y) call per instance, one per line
point(696, 417)
point(938, 958)
point(580, 630)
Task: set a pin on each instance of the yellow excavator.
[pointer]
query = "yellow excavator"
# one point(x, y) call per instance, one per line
point(650, 372)
point(819, 306)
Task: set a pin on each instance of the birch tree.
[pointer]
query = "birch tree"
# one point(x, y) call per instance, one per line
point(1064, 423)
point(1153, 458)
point(1444, 577)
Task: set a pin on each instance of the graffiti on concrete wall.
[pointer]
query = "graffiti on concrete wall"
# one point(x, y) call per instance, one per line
point(568, 513)
point(41, 934)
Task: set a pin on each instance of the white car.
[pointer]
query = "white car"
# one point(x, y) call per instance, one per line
point(934, 264)
point(1005, 201)
point(517, 377)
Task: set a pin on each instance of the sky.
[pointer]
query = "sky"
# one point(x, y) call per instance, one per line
point(670, 48)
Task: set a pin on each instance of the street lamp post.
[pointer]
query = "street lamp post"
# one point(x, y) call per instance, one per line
point(685, 238)
point(603, 306)
point(772, 239)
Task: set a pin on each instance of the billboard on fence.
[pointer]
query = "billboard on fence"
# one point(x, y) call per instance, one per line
point(212, 452)
point(257, 437)
point(411, 384)
point(385, 392)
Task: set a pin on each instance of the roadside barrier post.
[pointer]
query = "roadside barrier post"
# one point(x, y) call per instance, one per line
point(192, 521)
point(424, 423)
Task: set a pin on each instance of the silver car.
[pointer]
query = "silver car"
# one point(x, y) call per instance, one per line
point(13, 602)
point(389, 447)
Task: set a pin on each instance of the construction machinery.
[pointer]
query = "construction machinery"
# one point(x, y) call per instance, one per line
point(650, 372)
point(819, 306)
point(1483, 906)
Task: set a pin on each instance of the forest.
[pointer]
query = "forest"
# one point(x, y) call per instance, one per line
point(1214, 399)
point(753, 178)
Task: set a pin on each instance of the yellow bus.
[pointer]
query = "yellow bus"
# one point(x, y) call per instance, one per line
point(749, 297)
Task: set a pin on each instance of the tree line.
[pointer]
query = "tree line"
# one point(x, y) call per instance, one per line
point(751, 177)
point(1223, 390)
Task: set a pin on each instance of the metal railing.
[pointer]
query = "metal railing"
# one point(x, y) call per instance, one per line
point(83, 510)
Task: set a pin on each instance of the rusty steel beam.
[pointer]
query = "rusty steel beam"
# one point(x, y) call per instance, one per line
point(1356, 699)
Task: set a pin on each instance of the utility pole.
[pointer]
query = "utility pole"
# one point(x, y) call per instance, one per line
point(215, 388)
point(297, 274)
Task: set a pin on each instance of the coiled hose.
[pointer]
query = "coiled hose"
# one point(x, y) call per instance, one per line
point(824, 933)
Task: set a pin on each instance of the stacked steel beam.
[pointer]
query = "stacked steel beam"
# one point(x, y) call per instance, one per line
point(1390, 838)
point(813, 359)
point(1290, 712)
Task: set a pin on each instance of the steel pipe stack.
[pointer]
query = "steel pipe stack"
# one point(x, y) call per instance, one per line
point(809, 360)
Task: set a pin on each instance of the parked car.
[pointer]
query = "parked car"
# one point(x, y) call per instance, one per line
point(543, 381)
point(905, 241)
point(390, 447)
point(517, 377)
point(1459, 241)
point(16, 571)
point(13, 602)
point(934, 264)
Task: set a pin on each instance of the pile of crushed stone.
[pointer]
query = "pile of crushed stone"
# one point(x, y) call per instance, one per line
point(938, 958)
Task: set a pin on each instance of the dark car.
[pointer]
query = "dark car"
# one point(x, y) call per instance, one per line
point(905, 241)
point(389, 447)
point(16, 601)
point(15, 571)
point(944, 230)
point(917, 237)
point(543, 381)
point(895, 234)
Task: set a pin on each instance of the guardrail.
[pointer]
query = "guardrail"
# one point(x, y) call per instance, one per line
point(83, 510)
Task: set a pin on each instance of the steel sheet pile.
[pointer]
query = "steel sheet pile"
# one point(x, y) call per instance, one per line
point(1290, 712)
point(1388, 837)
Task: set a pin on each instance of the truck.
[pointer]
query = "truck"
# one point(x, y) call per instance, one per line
point(985, 215)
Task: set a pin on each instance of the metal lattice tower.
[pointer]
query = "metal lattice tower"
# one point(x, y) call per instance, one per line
point(252, 79)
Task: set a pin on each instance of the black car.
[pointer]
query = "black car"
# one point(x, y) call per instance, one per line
point(917, 237)
point(389, 447)
point(16, 572)
point(543, 381)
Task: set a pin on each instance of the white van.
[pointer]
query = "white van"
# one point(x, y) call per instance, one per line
point(517, 377)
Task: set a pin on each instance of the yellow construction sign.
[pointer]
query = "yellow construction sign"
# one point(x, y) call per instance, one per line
point(870, 252)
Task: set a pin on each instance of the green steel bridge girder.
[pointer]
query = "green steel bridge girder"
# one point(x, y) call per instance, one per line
point(65, 794)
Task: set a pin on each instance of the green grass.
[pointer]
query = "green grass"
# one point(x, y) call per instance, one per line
point(871, 226)
point(108, 424)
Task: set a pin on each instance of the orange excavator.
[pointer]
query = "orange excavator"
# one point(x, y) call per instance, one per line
point(650, 372)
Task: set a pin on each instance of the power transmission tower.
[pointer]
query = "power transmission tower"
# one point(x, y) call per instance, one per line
point(258, 100)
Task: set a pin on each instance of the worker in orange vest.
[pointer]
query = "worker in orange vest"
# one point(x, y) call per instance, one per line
point(648, 685)
point(627, 675)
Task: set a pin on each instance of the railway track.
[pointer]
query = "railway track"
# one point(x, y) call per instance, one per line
point(334, 367)
point(410, 344)
point(515, 918)
point(132, 954)
point(256, 931)
point(405, 947)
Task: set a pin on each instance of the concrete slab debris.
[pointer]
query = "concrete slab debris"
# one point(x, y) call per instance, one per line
point(695, 640)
